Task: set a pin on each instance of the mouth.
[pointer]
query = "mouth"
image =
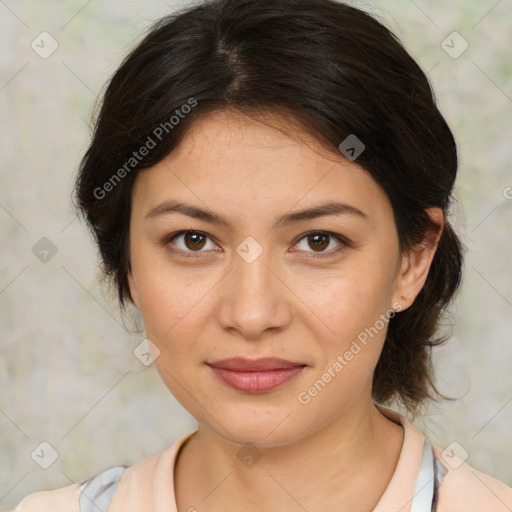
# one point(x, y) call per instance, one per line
point(256, 375)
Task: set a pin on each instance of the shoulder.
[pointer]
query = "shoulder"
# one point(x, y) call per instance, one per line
point(95, 492)
point(149, 482)
point(466, 489)
point(64, 499)
point(460, 487)
point(134, 483)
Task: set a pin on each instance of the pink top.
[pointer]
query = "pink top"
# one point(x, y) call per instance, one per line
point(148, 485)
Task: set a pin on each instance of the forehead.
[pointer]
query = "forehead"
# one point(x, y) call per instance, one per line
point(234, 161)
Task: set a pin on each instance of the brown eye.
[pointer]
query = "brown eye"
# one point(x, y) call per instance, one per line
point(189, 243)
point(318, 241)
point(194, 241)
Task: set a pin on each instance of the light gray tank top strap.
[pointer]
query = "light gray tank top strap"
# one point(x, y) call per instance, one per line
point(98, 491)
point(428, 484)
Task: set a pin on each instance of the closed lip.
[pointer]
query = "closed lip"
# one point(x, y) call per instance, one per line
point(241, 364)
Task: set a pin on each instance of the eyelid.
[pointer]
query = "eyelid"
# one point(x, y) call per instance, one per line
point(344, 242)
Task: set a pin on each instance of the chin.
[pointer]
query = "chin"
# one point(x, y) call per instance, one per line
point(264, 428)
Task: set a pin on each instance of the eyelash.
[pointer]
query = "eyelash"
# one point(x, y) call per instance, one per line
point(195, 254)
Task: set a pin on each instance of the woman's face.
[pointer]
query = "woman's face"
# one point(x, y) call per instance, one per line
point(263, 284)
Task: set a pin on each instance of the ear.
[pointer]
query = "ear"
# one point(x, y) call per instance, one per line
point(416, 264)
point(133, 290)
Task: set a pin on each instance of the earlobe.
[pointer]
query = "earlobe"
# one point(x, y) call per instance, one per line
point(133, 291)
point(416, 264)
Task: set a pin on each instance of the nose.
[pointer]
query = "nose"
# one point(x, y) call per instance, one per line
point(253, 301)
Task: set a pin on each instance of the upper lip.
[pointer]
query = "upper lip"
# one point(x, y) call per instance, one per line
point(242, 364)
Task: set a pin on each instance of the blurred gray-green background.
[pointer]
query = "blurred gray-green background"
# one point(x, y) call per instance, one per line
point(68, 375)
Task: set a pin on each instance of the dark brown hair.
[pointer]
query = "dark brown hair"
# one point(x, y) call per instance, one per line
point(332, 69)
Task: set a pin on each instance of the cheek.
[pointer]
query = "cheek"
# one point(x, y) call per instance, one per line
point(168, 295)
point(355, 310)
point(354, 305)
point(349, 299)
point(170, 306)
point(174, 315)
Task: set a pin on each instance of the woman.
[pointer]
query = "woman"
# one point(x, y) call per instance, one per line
point(269, 182)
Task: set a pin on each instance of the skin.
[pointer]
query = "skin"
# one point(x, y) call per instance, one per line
point(284, 304)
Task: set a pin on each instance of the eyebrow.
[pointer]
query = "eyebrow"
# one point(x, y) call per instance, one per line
point(333, 208)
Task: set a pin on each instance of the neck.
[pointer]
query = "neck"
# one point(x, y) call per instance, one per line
point(330, 467)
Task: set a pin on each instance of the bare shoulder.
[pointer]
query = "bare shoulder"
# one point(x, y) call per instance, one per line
point(63, 499)
point(466, 489)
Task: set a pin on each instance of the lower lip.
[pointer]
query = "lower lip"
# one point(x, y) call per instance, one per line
point(256, 382)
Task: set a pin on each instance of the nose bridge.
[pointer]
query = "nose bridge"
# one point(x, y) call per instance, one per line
point(253, 273)
point(253, 299)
